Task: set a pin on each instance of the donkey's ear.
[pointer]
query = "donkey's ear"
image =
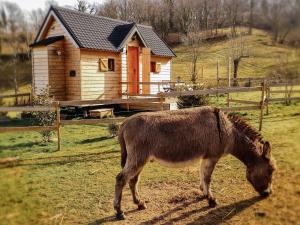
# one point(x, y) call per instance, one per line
point(267, 150)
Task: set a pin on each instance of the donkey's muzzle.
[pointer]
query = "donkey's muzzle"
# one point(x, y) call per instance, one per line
point(266, 193)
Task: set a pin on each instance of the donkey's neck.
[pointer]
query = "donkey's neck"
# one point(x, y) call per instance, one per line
point(244, 150)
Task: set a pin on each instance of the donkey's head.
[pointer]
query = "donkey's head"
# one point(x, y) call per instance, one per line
point(260, 173)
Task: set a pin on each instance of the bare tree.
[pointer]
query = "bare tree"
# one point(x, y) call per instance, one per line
point(195, 42)
point(13, 35)
point(85, 6)
point(281, 16)
point(3, 26)
point(251, 16)
point(109, 9)
point(238, 50)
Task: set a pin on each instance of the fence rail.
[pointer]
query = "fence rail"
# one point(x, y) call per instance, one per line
point(17, 97)
point(261, 104)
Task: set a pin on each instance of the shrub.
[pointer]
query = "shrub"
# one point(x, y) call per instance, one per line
point(192, 100)
point(44, 118)
point(113, 129)
point(3, 115)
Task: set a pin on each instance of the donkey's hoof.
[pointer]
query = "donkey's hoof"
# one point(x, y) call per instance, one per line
point(212, 203)
point(120, 216)
point(142, 206)
point(200, 198)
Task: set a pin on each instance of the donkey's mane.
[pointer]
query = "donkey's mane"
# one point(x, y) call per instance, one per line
point(243, 127)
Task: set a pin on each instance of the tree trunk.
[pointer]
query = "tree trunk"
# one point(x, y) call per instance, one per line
point(251, 17)
point(236, 63)
point(15, 78)
point(194, 69)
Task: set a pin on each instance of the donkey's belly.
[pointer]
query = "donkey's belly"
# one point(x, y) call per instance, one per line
point(169, 163)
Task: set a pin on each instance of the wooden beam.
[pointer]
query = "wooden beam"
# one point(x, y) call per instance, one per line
point(243, 108)
point(92, 121)
point(28, 109)
point(22, 129)
point(108, 102)
point(283, 91)
point(244, 102)
point(15, 95)
point(211, 91)
point(295, 83)
point(282, 99)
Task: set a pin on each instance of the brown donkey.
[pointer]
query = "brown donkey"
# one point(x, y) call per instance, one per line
point(178, 137)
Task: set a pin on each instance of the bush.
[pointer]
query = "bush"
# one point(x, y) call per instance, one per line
point(192, 100)
point(113, 129)
point(44, 118)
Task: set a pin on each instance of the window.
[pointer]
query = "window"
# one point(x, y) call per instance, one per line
point(111, 64)
point(106, 64)
point(155, 67)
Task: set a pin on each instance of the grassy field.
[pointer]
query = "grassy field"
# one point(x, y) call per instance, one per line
point(76, 185)
point(264, 57)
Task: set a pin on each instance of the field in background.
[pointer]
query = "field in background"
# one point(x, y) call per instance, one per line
point(264, 57)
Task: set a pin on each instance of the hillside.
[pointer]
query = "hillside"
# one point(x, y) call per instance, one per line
point(264, 57)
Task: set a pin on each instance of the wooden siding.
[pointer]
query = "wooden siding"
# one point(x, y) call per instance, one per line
point(124, 69)
point(146, 58)
point(96, 84)
point(71, 62)
point(163, 75)
point(57, 79)
point(40, 69)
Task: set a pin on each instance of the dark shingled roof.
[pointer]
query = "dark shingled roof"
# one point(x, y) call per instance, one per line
point(102, 33)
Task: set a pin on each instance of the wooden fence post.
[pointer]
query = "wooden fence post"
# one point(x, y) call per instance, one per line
point(58, 126)
point(262, 104)
point(268, 90)
point(286, 92)
point(218, 81)
point(161, 102)
point(229, 82)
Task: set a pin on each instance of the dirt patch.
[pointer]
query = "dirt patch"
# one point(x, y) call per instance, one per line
point(182, 203)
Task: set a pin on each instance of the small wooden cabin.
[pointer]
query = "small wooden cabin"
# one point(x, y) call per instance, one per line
point(78, 56)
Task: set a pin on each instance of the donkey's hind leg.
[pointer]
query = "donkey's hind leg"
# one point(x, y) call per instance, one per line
point(131, 169)
point(133, 184)
point(206, 169)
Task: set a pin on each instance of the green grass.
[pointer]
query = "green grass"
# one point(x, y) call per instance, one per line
point(264, 57)
point(76, 184)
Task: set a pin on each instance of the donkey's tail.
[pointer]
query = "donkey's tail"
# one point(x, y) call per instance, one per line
point(123, 147)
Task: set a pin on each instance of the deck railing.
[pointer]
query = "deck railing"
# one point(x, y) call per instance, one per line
point(158, 87)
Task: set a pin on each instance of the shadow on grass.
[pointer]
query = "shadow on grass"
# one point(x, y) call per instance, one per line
point(63, 160)
point(213, 217)
point(225, 213)
point(18, 146)
point(92, 140)
point(155, 219)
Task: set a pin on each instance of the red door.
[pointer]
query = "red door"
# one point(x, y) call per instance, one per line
point(133, 70)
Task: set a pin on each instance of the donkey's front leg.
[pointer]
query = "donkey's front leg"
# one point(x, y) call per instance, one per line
point(206, 169)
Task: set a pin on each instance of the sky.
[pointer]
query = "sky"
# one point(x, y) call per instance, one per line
point(34, 4)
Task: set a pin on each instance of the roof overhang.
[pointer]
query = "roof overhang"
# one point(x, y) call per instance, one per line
point(49, 18)
point(134, 30)
point(47, 41)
